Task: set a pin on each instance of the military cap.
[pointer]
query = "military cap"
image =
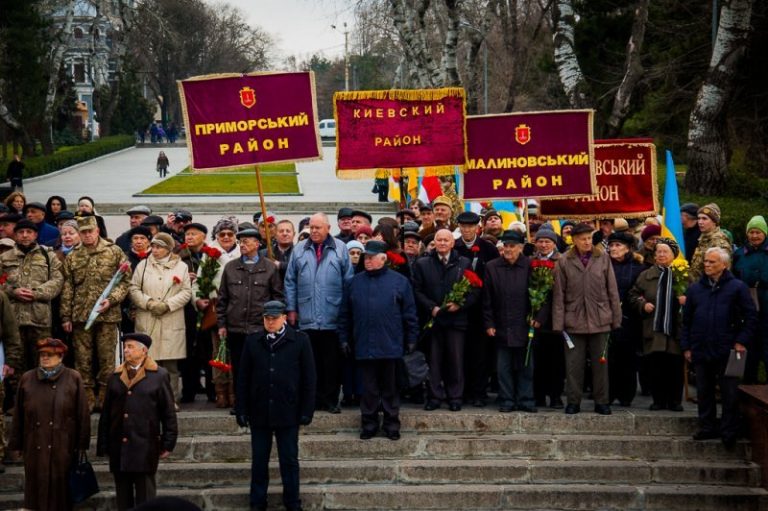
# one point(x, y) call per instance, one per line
point(153, 220)
point(139, 210)
point(140, 230)
point(25, 224)
point(33, 205)
point(512, 236)
point(363, 214)
point(445, 201)
point(274, 309)
point(468, 217)
point(249, 233)
point(374, 247)
point(86, 222)
point(138, 337)
point(163, 239)
point(197, 226)
point(345, 213)
point(51, 345)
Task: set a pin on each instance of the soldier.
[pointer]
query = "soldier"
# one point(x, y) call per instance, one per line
point(14, 354)
point(32, 279)
point(87, 271)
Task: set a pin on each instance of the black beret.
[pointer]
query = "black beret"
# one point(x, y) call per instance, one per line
point(690, 208)
point(468, 217)
point(25, 224)
point(198, 226)
point(138, 337)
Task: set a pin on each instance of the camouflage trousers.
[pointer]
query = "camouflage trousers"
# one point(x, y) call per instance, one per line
point(100, 340)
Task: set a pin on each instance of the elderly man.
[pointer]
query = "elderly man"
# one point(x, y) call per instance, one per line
point(33, 280)
point(586, 305)
point(344, 221)
point(87, 270)
point(360, 219)
point(138, 424)
point(443, 209)
point(378, 319)
point(275, 395)
point(719, 316)
point(135, 216)
point(317, 277)
point(46, 233)
point(433, 278)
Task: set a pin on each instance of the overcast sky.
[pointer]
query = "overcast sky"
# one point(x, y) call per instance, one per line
point(300, 27)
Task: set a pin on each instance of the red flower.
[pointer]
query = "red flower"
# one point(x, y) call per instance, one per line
point(475, 249)
point(473, 278)
point(395, 259)
point(603, 360)
point(543, 263)
point(182, 246)
point(142, 255)
point(212, 252)
point(124, 267)
point(3, 278)
point(176, 279)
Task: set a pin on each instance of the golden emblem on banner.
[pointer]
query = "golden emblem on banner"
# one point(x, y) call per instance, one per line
point(523, 134)
point(247, 97)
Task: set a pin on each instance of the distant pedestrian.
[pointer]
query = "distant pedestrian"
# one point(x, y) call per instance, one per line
point(15, 173)
point(162, 164)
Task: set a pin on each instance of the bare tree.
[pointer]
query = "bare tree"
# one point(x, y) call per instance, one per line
point(574, 83)
point(707, 145)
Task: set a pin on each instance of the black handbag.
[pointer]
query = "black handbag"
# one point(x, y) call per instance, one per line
point(82, 480)
point(412, 370)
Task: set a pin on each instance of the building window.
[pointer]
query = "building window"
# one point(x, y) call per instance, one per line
point(78, 33)
point(96, 34)
point(79, 69)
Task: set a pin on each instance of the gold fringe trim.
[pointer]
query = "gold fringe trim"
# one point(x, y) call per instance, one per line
point(401, 94)
point(383, 173)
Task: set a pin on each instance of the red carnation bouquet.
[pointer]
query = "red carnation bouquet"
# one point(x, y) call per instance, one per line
point(540, 285)
point(458, 293)
point(394, 260)
point(220, 361)
point(209, 267)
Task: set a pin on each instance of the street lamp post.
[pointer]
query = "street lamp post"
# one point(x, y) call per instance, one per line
point(346, 55)
point(485, 63)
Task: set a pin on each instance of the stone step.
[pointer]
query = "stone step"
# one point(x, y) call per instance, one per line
point(213, 448)
point(488, 471)
point(531, 497)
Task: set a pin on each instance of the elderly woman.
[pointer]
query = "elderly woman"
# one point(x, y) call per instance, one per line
point(51, 426)
point(160, 288)
point(224, 239)
point(69, 238)
point(750, 265)
point(625, 340)
point(653, 297)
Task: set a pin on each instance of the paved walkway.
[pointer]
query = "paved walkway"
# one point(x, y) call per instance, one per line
point(115, 178)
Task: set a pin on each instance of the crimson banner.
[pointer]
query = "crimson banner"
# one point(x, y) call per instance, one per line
point(399, 128)
point(235, 120)
point(626, 182)
point(535, 154)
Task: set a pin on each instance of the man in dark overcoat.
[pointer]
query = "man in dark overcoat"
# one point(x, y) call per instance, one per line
point(275, 395)
point(138, 424)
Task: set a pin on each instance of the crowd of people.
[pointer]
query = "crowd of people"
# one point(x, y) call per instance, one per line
point(275, 322)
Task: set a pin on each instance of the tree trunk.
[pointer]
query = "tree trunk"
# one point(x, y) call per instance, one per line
point(57, 57)
point(575, 85)
point(449, 64)
point(474, 91)
point(633, 71)
point(508, 15)
point(707, 145)
point(409, 21)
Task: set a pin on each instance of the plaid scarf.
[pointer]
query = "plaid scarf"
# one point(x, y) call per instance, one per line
point(664, 314)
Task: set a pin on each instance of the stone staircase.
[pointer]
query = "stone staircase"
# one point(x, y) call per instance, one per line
point(473, 459)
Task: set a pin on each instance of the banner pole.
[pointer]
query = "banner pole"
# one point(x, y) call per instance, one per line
point(264, 213)
point(402, 189)
point(527, 220)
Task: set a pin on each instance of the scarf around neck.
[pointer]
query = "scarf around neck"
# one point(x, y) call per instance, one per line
point(664, 314)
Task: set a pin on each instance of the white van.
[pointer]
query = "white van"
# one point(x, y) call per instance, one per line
point(328, 128)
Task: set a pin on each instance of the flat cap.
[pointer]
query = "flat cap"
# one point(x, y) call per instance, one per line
point(581, 228)
point(153, 220)
point(512, 236)
point(468, 217)
point(140, 230)
point(139, 210)
point(64, 215)
point(690, 208)
point(138, 337)
point(197, 226)
point(365, 214)
point(345, 213)
point(249, 233)
point(274, 308)
point(33, 205)
point(374, 247)
point(51, 345)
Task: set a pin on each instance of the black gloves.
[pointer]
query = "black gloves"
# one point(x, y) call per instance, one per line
point(346, 350)
point(242, 420)
point(305, 421)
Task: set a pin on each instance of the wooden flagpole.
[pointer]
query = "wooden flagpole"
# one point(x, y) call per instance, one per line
point(270, 254)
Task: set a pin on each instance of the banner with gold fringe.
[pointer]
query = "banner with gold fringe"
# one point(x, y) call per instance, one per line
point(397, 129)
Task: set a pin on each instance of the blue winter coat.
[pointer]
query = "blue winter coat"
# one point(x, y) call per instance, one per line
point(379, 315)
point(715, 317)
point(316, 291)
point(750, 265)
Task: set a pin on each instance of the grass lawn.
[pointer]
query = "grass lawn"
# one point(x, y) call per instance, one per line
point(230, 182)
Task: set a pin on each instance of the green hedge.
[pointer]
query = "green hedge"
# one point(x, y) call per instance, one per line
point(70, 155)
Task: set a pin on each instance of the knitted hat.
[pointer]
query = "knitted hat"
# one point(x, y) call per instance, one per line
point(163, 239)
point(546, 234)
point(712, 210)
point(672, 244)
point(758, 222)
point(364, 229)
point(68, 223)
point(355, 244)
point(225, 224)
point(650, 231)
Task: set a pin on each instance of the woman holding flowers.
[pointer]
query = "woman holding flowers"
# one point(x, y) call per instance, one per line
point(160, 288)
point(657, 296)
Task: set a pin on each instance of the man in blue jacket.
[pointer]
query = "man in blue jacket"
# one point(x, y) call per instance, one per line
point(379, 317)
point(719, 316)
point(316, 278)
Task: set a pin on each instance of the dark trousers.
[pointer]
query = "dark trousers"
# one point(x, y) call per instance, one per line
point(548, 366)
point(622, 369)
point(190, 366)
point(205, 353)
point(351, 385)
point(515, 378)
point(235, 343)
point(576, 360)
point(666, 378)
point(379, 391)
point(132, 489)
point(288, 457)
point(446, 367)
point(325, 348)
point(477, 356)
point(708, 374)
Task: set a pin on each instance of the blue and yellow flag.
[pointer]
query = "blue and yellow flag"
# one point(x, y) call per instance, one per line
point(671, 225)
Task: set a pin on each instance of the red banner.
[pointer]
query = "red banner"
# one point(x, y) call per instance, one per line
point(626, 182)
point(536, 154)
point(399, 128)
point(238, 120)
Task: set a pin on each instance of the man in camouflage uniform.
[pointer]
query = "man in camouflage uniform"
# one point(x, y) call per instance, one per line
point(32, 278)
point(14, 354)
point(87, 271)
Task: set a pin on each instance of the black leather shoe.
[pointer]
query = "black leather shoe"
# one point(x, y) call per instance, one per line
point(478, 403)
point(527, 409)
point(432, 405)
point(655, 407)
point(603, 409)
point(333, 409)
point(367, 434)
point(676, 407)
point(706, 435)
point(506, 409)
point(556, 404)
point(454, 407)
point(572, 409)
point(393, 435)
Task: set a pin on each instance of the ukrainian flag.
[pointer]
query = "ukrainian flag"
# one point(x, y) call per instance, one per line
point(671, 225)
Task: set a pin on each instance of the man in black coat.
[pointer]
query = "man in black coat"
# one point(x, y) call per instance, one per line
point(138, 425)
point(433, 278)
point(478, 352)
point(275, 394)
